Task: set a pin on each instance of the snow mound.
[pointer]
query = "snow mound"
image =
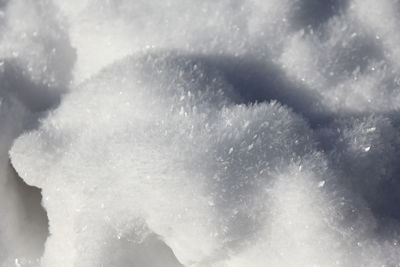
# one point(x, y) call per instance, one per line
point(163, 150)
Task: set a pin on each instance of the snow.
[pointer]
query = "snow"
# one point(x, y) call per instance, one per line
point(212, 134)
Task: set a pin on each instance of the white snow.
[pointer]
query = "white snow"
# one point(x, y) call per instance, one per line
point(228, 133)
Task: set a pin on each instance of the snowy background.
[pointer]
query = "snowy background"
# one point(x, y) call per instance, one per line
point(171, 133)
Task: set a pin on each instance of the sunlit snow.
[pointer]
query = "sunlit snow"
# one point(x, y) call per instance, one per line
point(178, 133)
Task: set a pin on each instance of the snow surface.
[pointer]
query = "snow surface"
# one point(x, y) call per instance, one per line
point(231, 133)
